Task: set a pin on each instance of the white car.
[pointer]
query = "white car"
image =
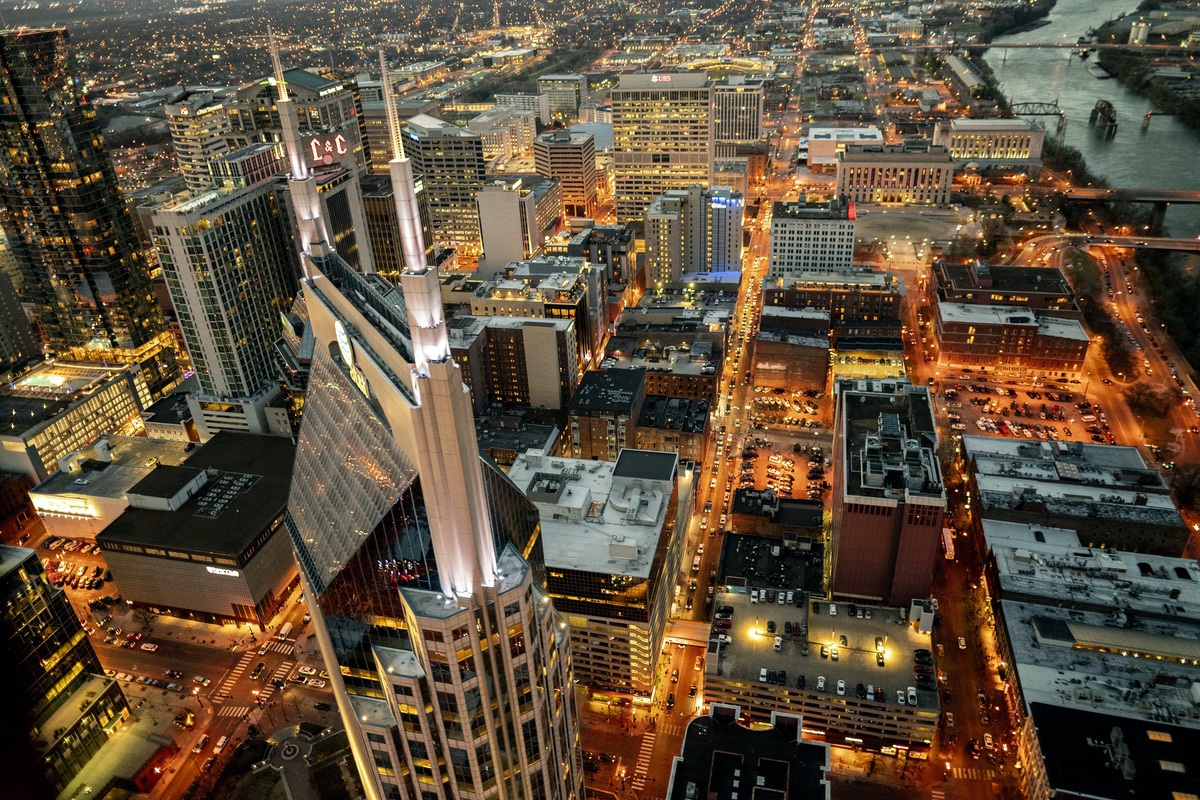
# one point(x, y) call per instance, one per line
point(962, 643)
point(841, 688)
point(203, 681)
point(820, 683)
point(317, 682)
point(149, 647)
point(306, 671)
point(778, 643)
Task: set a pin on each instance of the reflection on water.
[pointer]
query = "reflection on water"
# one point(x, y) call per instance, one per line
point(1164, 156)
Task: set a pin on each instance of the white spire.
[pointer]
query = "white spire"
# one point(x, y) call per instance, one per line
point(287, 116)
point(277, 64)
point(404, 192)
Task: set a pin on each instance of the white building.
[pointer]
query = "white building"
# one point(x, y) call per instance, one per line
point(811, 237)
point(737, 111)
point(693, 230)
point(506, 131)
point(516, 216)
point(537, 103)
point(825, 143)
point(199, 125)
point(608, 568)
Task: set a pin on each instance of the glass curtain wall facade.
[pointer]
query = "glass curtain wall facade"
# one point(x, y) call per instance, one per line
point(83, 271)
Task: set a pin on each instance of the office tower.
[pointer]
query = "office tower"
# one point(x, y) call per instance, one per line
point(449, 162)
point(56, 694)
point(737, 113)
point(697, 230)
point(231, 270)
point(328, 112)
point(199, 126)
point(661, 137)
point(420, 562)
point(617, 581)
point(811, 237)
point(82, 270)
point(515, 361)
point(18, 345)
point(570, 158)
point(342, 208)
point(506, 131)
point(565, 93)
point(516, 216)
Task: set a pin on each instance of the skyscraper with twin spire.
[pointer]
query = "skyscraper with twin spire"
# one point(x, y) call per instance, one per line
point(421, 562)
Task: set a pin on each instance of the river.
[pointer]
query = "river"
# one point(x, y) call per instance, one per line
point(1163, 157)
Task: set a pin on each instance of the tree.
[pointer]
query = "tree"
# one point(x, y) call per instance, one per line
point(146, 617)
point(1148, 400)
point(1185, 482)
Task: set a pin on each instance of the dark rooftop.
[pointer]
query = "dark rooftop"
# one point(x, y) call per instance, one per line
point(674, 413)
point(611, 391)
point(1103, 756)
point(889, 438)
point(648, 464)
point(171, 410)
point(164, 481)
point(247, 489)
point(1029, 280)
point(722, 759)
point(748, 560)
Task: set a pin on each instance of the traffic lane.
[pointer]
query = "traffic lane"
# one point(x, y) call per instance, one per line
point(189, 659)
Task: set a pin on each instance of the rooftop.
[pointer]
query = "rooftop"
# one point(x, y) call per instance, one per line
point(611, 391)
point(749, 561)
point(867, 134)
point(1002, 278)
point(674, 413)
point(654, 354)
point(889, 440)
point(968, 314)
point(802, 209)
point(968, 125)
point(1104, 756)
point(721, 758)
point(246, 491)
point(48, 390)
point(132, 459)
point(600, 516)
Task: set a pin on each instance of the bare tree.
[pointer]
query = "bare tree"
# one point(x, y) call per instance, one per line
point(146, 617)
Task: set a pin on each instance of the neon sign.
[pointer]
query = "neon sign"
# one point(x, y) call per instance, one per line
point(327, 149)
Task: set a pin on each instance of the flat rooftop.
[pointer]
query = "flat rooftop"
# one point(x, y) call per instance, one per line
point(720, 756)
point(1005, 278)
point(889, 440)
point(629, 353)
point(1038, 561)
point(610, 391)
point(599, 516)
point(748, 562)
point(132, 459)
point(48, 390)
point(674, 413)
point(753, 648)
point(802, 210)
point(970, 314)
point(247, 489)
point(967, 125)
point(840, 279)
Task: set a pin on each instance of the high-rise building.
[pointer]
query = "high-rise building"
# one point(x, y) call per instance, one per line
point(570, 158)
point(737, 113)
point(56, 693)
point(506, 131)
point(516, 361)
point(83, 272)
point(811, 237)
point(662, 137)
point(231, 270)
point(18, 345)
point(537, 103)
point(889, 498)
point(516, 216)
point(602, 415)
point(693, 230)
point(421, 562)
point(564, 94)
point(200, 127)
point(449, 162)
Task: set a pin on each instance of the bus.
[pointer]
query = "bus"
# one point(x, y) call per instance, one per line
point(948, 543)
point(284, 631)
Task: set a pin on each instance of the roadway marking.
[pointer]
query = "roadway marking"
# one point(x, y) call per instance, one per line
point(233, 711)
point(281, 647)
point(973, 773)
point(643, 761)
point(281, 673)
point(937, 794)
point(232, 677)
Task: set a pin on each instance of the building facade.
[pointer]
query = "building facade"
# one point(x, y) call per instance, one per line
point(991, 143)
point(889, 498)
point(516, 362)
point(737, 112)
point(449, 162)
point(910, 174)
point(564, 94)
point(59, 693)
point(570, 158)
point(602, 415)
point(849, 297)
point(1010, 340)
point(82, 269)
point(422, 564)
point(811, 237)
point(231, 269)
point(200, 128)
point(516, 217)
point(612, 555)
point(693, 230)
point(662, 137)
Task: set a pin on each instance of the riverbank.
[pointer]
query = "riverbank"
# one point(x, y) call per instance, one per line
point(1140, 76)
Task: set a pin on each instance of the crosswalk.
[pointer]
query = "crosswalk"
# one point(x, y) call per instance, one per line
point(226, 687)
point(287, 648)
point(937, 794)
point(670, 729)
point(643, 761)
point(973, 773)
point(280, 674)
point(233, 711)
